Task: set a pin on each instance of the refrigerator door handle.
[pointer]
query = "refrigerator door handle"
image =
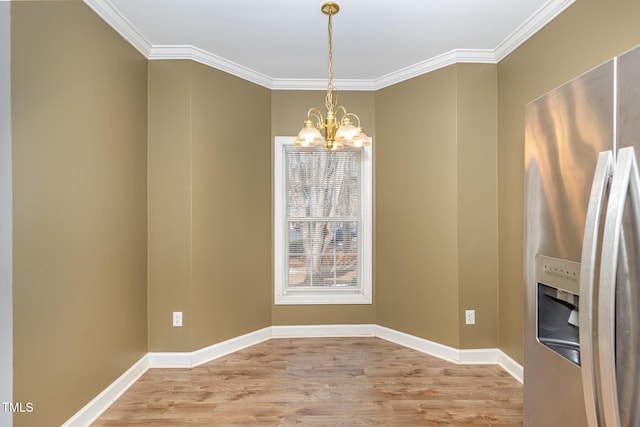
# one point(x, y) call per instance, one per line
point(603, 172)
point(625, 178)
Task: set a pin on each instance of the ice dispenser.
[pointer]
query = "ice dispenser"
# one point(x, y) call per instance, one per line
point(558, 306)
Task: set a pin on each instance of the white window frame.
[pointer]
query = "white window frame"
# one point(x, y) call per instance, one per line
point(285, 296)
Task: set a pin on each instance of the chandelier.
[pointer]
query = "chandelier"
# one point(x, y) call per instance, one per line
point(337, 124)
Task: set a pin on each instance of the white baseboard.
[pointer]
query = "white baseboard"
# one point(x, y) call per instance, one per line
point(483, 356)
point(420, 344)
point(92, 410)
point(311, 331)
point(97, 406)
point(480, 356)
point(166, 359)
point(230, 346)
point(194, 358)
point(511, 366)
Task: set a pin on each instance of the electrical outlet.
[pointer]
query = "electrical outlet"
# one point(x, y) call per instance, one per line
point(470, 317)
point(177, 318)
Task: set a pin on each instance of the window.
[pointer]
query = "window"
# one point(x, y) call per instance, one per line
point(322, 225)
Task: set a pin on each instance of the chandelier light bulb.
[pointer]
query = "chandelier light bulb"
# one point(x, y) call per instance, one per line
point(361, 140)
point(308, 136)
point(347, 131)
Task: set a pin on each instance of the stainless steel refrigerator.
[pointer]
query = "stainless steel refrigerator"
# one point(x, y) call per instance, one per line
point(581, 250)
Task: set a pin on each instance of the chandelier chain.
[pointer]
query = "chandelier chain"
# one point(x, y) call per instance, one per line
point(329, 99)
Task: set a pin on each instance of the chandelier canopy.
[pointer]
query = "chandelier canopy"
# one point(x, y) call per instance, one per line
point(337, 124)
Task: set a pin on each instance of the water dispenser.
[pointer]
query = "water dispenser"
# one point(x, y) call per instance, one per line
point(558, 306)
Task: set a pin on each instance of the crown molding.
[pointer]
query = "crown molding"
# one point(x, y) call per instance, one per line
point(321, 84)
point(112, 16)
point(159, 52)
point(118, 22)
point(538, 20)
point(483, 56)
point(542, 17)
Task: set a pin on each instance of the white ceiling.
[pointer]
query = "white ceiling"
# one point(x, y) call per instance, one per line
point(283, 44)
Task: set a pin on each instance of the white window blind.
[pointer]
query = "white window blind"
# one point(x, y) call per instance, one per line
point(322, 227)
point(323, 217)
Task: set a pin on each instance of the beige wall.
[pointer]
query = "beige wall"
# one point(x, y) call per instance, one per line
point(478, 203)
point(79, 108)
point(585, 35)
point(288, 109)
point(209, 205)
point(231, 206)
point(436, 205)
point(416, 192)
point(169, 204)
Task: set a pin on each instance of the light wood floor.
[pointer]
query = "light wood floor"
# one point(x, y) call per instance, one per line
point(322, 382)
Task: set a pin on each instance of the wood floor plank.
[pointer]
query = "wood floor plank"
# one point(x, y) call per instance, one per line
point(321, 382)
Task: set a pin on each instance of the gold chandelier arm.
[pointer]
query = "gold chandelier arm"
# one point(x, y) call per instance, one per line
point(356, 116)
point(346, 114)
point(317, 115)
